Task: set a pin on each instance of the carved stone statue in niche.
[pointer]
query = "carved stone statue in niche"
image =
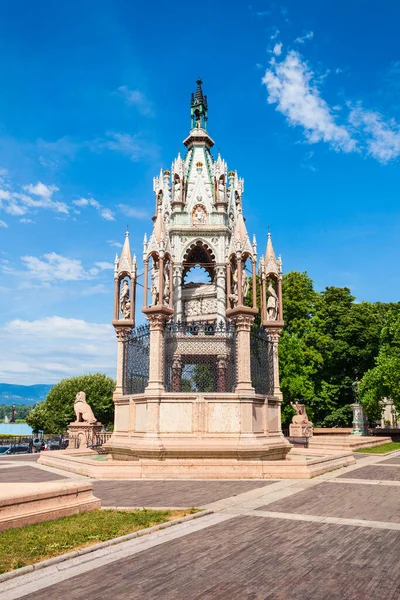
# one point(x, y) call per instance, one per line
point(177, 190)
point(233, 296)
point(199, 215)
point(125, 301)
point(154, 285)
point(245, 283)
point(272, 303)
point(221, 191)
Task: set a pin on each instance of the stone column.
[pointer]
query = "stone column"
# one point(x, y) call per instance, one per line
point(122, 333)
point(161, 280)
point(177, 291)
point(221, 375)
point(145, 283)
point(116, 299)
point(254, 283)
point(177, 375)
point(156, 362)
point(239, 265)
point(274, 337)
point(228, 285)
point(221, 290)
point(243, 324)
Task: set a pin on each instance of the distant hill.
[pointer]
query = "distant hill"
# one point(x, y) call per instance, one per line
point(23, 394)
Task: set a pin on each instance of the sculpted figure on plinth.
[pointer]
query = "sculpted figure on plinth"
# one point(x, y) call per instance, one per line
point(83, 412)
point(82, 432)
point(300, 426)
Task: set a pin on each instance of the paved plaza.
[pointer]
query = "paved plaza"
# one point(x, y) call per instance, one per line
point(333, 537)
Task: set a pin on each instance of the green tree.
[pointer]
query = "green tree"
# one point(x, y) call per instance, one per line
point(383, 380)
point(54, 414)
point(328, 340)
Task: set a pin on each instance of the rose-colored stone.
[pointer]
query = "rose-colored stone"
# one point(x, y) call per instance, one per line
point(27, 503)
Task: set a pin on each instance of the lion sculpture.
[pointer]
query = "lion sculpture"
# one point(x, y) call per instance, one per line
point(83, 412)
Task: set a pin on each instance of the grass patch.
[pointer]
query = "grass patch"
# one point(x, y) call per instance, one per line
point(390, 447)
point(33, 543)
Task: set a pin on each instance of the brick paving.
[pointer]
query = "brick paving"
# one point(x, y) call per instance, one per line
point(27, 475)
point(251, 558)
point(373, 472)
point(170, 493)
point(242, 554)
point(372, 503)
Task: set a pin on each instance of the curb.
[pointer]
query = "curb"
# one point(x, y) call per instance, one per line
point(113, 542)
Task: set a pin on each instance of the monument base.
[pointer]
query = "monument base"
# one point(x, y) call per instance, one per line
point(82, 434)
point(298, 464)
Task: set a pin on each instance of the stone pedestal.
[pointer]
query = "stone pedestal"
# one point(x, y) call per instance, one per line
point(82, 435)
point(359, 424)
point(300, 430)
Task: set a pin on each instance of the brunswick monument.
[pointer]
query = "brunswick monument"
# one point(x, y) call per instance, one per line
point(199, 382)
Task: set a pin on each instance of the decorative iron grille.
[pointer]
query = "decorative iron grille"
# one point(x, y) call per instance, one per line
point(261, 361)
point(200, 357)
point(136, 360)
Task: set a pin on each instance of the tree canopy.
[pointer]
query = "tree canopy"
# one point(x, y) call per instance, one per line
point(57, 411)
point(328, 340)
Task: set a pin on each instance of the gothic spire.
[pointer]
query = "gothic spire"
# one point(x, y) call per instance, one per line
point(199, 108)
point(271, 264)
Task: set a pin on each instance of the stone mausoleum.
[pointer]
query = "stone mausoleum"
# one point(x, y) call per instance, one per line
point(198, 385)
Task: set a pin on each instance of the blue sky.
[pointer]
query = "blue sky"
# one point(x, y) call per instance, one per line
point(304, 101)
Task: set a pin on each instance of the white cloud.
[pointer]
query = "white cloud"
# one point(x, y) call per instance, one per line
point(114, 243)
point(65, 348)
point(382, 139)
point(104, 265)
point(277, 49)
point(131, 211)
point(3, 224)
point(107, 214)
point(33, 197)
point(275, 35)
point(138, 99)
point(127, 144)
point(289, 86)
point(54, 267)
point(27, 221)
point(304, 38)
point(87, 202)
point(40, 189)
point(5, 195)
point(294, 88)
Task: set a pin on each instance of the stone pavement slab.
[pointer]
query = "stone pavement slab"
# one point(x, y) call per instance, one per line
point(395, 460)
point(176, 493)
point(251, 558)
point(27, 474)
point(376, 472)
point(373, 503)
point(20, 457)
